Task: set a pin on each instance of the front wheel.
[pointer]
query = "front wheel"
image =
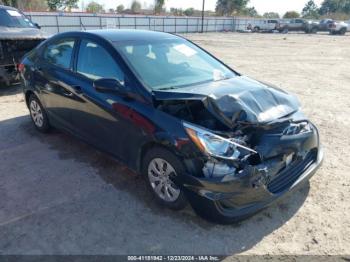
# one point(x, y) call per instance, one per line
point(38, 114)
point(342, 31)
point(159, 168)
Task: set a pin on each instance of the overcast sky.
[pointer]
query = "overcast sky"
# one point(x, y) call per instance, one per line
point(280, 6)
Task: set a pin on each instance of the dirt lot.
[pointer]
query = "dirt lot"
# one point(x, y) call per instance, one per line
point(61, 196)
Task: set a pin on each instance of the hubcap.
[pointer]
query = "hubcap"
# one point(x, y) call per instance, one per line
point(36, 113)
point(159, 175)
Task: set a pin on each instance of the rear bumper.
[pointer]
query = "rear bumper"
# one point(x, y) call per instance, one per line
point(236, 199)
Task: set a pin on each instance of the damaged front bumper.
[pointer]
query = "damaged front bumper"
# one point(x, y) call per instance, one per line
point(255, 187)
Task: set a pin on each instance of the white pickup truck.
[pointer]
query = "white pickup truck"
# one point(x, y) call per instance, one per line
point(339, 28)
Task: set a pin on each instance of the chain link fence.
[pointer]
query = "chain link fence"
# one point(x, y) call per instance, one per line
point(53, 23)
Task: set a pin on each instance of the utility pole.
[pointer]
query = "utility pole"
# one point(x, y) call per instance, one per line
point(203, 17)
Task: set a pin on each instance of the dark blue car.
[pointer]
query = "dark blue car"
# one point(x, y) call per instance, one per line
point(197, 130)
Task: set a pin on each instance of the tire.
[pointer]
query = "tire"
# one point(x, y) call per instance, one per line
point(38, 114)
point(256, 29)
point(158, 168)
point(342, 31)
point(314, 30)
point(285, 30)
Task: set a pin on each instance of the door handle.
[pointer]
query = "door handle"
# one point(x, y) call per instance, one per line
point(77, 89)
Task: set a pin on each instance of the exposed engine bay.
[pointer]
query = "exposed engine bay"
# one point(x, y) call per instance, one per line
point(18, 36)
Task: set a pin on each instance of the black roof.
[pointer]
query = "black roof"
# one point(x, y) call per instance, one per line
point(116, 35)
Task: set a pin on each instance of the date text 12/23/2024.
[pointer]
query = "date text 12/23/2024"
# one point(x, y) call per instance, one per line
point(175, 258)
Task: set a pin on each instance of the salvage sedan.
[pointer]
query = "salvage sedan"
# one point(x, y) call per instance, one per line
point(197, 130)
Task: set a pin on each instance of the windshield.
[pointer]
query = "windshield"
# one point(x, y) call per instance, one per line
point(13, 18)
point(168, 64)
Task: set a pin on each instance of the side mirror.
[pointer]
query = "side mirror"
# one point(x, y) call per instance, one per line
point(109, 85)
point(37, 25)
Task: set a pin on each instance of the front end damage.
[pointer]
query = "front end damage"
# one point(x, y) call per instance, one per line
point(269, 148)
point(241, 186)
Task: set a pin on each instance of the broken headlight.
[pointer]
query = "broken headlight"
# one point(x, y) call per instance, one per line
point(214, 145)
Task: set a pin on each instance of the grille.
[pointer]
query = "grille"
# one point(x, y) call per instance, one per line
point(291, 174)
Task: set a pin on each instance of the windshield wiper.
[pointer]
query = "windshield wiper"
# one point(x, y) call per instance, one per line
point(167, 88)
point(193, 84)
point(221, 79)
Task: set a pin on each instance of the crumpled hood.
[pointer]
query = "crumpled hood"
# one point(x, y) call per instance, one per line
point(239, 99)
point(13, 33)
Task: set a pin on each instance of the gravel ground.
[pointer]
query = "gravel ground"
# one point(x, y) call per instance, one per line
point(61, 196)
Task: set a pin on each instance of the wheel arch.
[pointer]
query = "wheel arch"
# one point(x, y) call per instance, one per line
point(27, 95)
point(147, 147)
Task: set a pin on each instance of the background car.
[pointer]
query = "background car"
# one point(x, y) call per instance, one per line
point(297, 24)
point(324, 25)
point(18, 35)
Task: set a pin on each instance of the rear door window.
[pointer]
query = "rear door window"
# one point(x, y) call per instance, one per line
point(59, 53)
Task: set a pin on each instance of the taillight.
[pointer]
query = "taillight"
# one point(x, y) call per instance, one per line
point(20, 68)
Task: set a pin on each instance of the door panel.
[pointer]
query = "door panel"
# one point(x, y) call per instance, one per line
point(104, 120)
point(95, 116)
point(59, 95)
point(54, 80)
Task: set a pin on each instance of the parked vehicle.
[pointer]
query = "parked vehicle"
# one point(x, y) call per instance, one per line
point(196, 129)
point(338, 28)
point(298, 25)
point(325, 24)
point(266, 25)
point(18, 35)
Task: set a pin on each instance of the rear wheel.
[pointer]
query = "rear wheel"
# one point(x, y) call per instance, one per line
point(159, 168)
point(38, 114)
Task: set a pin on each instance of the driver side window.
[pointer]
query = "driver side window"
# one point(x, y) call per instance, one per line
point(95, 62)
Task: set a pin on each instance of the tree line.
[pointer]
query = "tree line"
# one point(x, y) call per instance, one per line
point(337, 9)
point(137, 8)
